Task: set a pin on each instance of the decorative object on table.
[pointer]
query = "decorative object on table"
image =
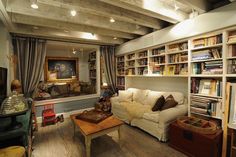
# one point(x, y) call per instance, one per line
point(104, 103)
point(13, 106)
point(197, 125)
point(93, 116)
point(16, 86)
point(48, 114)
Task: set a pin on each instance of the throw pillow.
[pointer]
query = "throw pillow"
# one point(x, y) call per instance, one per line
point(159, 103)
point(125, 96)
point(169, 103)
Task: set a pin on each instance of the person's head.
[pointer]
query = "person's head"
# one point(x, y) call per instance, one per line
point(16, 86)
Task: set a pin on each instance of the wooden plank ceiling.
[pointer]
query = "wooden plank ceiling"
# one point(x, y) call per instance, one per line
point(98, 21)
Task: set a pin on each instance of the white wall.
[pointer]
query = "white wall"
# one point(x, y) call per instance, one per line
point(159, 84)
point(214, 20)
point(83, 62)
point(5, 51)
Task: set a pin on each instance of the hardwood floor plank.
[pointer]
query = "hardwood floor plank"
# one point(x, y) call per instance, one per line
point(57, 141)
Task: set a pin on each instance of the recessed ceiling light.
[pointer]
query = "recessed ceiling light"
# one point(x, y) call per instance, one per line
point(115, 38)
point(34, 5)
point(73, 12)
point(112, 20)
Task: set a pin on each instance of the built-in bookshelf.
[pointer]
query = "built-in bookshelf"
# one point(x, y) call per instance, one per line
point(120, 72)
point(141, 63)
point(206, 79)
point(92, 68)
point(157, 60)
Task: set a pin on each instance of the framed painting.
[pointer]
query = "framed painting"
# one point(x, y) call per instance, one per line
point(61, 69)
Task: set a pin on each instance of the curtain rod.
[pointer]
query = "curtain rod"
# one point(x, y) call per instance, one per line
point(14, 35)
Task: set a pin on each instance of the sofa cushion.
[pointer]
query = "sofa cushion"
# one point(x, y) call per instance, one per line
point(125, 96)
point(179, 97)
point(159, 103)
point(152, 116)
point(152, 97)
point(169, 103)
point(139, 95)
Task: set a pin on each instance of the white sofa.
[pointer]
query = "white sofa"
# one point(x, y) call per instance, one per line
point(134, 107)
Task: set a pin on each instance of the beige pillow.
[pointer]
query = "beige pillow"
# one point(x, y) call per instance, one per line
point(125, 96)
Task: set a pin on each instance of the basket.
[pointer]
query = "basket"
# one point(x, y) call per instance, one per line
point(197, 125)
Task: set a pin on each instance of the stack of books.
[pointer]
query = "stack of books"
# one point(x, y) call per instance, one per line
point(206, 106)
point(231, 66)
point(208, 68)
point(206, 54)
point(158, 51)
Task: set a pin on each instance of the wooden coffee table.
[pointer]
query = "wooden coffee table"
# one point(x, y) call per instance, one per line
point(93, 130)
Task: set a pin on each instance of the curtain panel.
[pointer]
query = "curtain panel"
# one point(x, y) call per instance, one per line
point(31, 53)
point(108, 55)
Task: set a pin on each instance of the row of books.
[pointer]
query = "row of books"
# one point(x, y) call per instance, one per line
point(180, 57)
point(178, 47)
point(143, 61)
point(206, 106)
point(120, 81)
point(181, 69)
point(130, 71)
point(209, 87)
point(92, 73)
point(131, 56)
point(121, 71)
point(232, 37)
point(158, 70)
point(142, 54)
point(231, 64)
point(92, 56)
point(142, 71)
point(120, 65)
point(206, 54)
point(209, 41)
point(210, 67)
point(121, 59)
point(158, 60)
point(131, 63)
point(158, 51)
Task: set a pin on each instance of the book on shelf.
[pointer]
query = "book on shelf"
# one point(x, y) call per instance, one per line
point(120, 81)
point(232, 38)
point(208, 41)
point(158, 60)
point(208, 67)
point(206, 54)
point(180, 57)
point(232, 50)
point(157, 69)
point(232, 104)
point(131, 56)
point(158, 51)
point(142, 61)
point(206, 106)
point(131, 63)
point(92, 56)
point(208, 87)
point(231, 66)
point(121, 59)
point(142, 71)
point(142, 54)
point(178, 47)
point(130, 71)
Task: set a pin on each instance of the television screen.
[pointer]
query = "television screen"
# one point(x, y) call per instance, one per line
point(3, 84)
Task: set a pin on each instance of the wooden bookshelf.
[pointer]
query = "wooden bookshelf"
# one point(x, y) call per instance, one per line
point(120, 72)
point(92, 68)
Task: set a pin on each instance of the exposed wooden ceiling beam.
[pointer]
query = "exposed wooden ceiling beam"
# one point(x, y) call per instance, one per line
point(153, 8)
point(4, 16)
point(65, 26)
point(106, 10)
point(60, 14)
point(49, 33)
point(201, 6)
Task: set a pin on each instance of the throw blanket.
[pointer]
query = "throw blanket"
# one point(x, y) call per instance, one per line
point(135, 109)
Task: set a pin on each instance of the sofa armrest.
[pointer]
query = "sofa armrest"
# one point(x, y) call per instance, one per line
point(114, 100)
point(171, 114)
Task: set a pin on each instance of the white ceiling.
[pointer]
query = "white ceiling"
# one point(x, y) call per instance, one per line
point(133, 18)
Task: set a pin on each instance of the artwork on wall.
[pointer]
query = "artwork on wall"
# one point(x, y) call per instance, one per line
point(61, 69)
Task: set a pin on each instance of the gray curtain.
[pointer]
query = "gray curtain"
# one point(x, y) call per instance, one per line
point(31, 53)
point(108, 55)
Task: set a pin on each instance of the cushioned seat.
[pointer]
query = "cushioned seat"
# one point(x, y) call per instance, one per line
point(152, 116)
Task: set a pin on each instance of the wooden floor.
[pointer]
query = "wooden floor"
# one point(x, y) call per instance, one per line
point(57, 141)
